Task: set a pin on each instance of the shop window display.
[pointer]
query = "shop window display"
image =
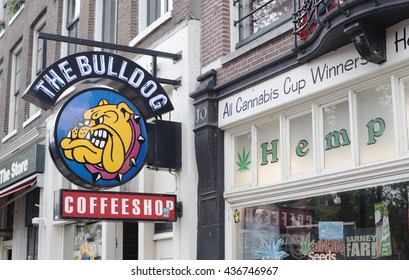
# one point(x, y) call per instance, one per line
point(369, 223)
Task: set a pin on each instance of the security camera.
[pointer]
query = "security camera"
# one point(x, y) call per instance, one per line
point(36, 221)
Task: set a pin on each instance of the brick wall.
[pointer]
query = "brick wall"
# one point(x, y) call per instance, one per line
point(255, 58)
point(215, 42)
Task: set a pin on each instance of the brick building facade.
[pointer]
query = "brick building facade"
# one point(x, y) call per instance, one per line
point(33, 232)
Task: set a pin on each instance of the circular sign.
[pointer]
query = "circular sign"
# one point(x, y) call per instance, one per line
point(99, 139)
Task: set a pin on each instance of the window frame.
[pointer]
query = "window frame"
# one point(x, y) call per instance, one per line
point(238, 18)
point(144, 29)
point(37, 59)
point(100, 25)
point(315, 106)
point(15, 90)
point(71, 24)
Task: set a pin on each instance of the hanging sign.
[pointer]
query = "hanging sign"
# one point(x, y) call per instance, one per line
point(99, 139)
point(142, 89)
point(114, 206)
point(21, 166)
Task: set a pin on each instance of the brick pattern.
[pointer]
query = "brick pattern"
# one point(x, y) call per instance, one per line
point(215, 26)
point(255, 58)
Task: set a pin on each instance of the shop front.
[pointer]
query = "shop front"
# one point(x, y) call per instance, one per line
point(316, 159)
point(21, 178)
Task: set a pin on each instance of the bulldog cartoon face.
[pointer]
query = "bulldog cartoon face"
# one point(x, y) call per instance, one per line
point(106, 142)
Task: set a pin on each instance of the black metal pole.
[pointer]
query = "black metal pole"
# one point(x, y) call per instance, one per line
point(104, 45)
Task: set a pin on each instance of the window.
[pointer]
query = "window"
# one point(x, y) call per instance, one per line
point(32, 211)
point(362, 224)
point(72, 19)
point(269, 159)
point(5, 129)
point(3, 9)
point(15, 89)
point(13, 6)
point(109, 23)
point(37, 63)
point(406, 92)
point(375, 123)
point(257, 17)
point(336, 132)
point(107, 14)
point(242, 160)
point(155, 9)
point(301, 140)
point(356, 128)
point(152, 11)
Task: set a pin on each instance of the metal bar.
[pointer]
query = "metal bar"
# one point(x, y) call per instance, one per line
point(253, 12)
point(154, 66)
point(169, 82)
point(104, 45)
point(44, 58)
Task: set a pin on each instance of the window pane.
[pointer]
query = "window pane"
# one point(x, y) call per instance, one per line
point(73, 10)
point(375, 123)
point(17, 73)
point(337, 141)
point(258, 14)
point(109, 21)
point(269, 163)
point(39, 51)
point(406, 89)
point(242, 160)
point(301, 155)
point(156, 8)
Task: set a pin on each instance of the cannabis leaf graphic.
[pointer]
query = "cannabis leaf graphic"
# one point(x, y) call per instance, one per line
point(306, 244)
point(243, 161)
point(272, 250)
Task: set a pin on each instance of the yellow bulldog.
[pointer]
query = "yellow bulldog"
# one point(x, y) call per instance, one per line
point(103, 140)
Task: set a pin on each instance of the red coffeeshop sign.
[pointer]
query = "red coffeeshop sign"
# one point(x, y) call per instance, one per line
point(114, 206)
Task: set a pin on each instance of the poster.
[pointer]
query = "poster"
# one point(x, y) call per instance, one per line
point(88, 241)
point(331, 230)
point(382, 229)
point(360, 244)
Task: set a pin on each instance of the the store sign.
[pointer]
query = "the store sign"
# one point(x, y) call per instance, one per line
point(24, 164)
point(114, 206)
point(146, 93)
point(335, 69)
point(99, 139)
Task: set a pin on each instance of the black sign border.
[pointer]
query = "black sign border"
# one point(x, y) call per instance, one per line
point(46, 102)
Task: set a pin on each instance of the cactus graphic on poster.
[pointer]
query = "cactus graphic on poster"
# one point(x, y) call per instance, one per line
point(383, 234)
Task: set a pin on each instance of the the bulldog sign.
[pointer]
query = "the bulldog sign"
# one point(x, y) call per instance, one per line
point(142, 88)
point(99, 140)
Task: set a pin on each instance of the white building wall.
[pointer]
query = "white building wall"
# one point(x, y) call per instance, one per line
point(182, 243)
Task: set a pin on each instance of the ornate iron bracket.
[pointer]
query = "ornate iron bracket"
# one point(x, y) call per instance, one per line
point(370, 42)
